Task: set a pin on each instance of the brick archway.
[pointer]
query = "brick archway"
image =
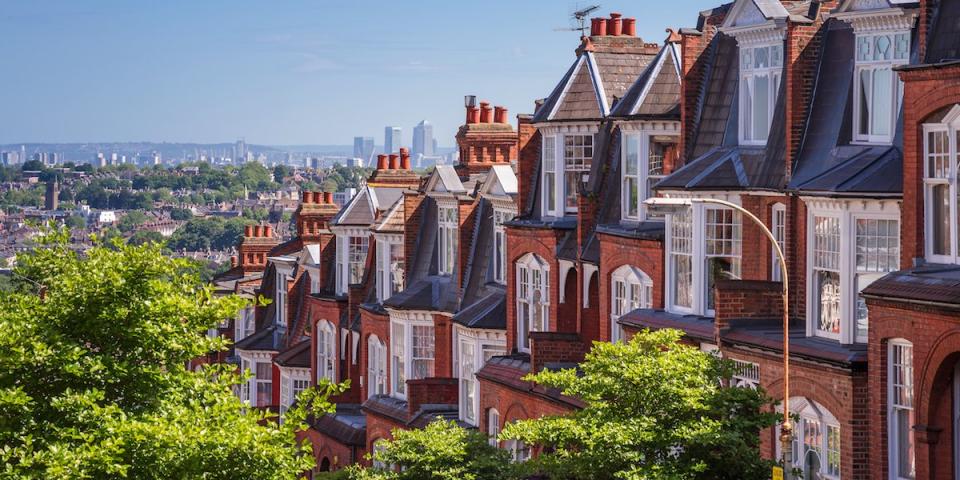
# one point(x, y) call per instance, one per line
point(514, 412)
point(935, 406)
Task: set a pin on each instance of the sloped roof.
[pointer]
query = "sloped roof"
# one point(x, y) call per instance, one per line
point(366, 204)
point(488, 313)
point(444, 178)
point(728, 168)
point(434, 293)
point(928, 283)
point(262, 340)
point(749, 11)
point(717, 99)
point(856, 169)
point(943, 41)
point(657, 91)
point(502, 180)
point(392, 221)
point(297, 356)
point(348, 425)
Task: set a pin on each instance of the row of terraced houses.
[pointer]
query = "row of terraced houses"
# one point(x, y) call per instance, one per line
point(835, 122)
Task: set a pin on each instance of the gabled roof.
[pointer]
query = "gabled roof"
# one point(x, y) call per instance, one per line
point(502, 180)
point(366, 205)
point(297, 356)
point(589, 88)
point(444, 179)
point(487, 313)
point(861, 5)
point(392, 221)
point(656, 92)
point(754, 12)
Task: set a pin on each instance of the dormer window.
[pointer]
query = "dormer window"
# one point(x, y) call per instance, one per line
point(760, 70)
point(941, 153)
point(326, 351)
point(447, 227)
point(564, 173)
point(351, 258)
point(281, 299)
point(877, 89)
point(500, 245)
point(390, 267)
point(643, 155)
point(533, 298)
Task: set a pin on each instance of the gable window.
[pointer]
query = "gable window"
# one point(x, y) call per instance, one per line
point(500, 245)
point(376, 367)
point(877, 88)
point(389, 268)
point(850, 246)
point(704, 247)
point(643, 157)
point(447, 230)
point(632, 289)
point(900, 413)
point(281, 310)
point(533, 298)
point(941, 153)
point(358, 257)
point(326, 351)
point(577, 156)
point(778, 214)
point(550, 186)
point(351, 260)
point(413, 352)
point(760, 70)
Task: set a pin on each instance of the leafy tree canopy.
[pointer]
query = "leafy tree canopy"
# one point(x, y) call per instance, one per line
point(94, 380)
point(655, 409)
point(440, 451)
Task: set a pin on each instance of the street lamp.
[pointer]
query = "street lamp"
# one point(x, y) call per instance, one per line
point(679, 205)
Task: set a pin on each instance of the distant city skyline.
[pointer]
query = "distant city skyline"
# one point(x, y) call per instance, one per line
point(296, 74)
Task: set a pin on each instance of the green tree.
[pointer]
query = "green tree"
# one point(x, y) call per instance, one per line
point(440, 451)
point(181, 214)
point(131, 221)
point(655, 409)
point(75, 222)
point(94, 380)
point(142, 237)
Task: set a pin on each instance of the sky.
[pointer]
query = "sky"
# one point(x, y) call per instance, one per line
point(283, 72)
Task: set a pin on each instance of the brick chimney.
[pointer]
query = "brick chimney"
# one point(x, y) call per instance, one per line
point(529, 156)
point(489, 141)
point(616, 34)
point(257, 242)
point(393, 170)
point(313, 219)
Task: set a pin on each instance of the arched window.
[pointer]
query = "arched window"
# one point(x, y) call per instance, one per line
point(379, 447)
point(493, 426)
point(376, 367)
point(533, 298)
point(326, 351)
point(816, 440)
point(630, 289)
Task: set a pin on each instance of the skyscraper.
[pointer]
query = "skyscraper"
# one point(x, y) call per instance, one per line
point(363, 147)
point(392, 139)
point(422, 140)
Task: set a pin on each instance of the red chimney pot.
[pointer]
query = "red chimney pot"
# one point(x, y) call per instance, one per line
point(598, 27)
point(258, 231)
point(630, 27)
point(317, 197)
point(234, 261)
point(615, 27)
point(305, 197)
point(381, 162)
point(500, 115)
point(328, 197)
point(394, 161)
point(268, 231)
point(248, 231)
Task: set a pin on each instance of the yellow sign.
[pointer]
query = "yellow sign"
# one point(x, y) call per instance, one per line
point(777, 473)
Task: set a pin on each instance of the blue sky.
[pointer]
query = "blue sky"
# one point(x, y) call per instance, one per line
point(282, 72)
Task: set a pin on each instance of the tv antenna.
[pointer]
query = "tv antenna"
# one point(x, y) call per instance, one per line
point(579, 18)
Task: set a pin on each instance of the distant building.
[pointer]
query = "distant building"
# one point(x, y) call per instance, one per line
point(10, 158)
point(363, 147)
point(240, 149)
point(341, 198)
point(51, 200)
point(392, 139)
point(422, 140)
point(100, 161)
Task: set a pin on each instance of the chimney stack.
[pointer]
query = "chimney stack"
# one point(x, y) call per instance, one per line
point(248, 231)
point(328, 197)
point(485, 111)
point(381, 162)
point(630, 27)
point(615, 26)
point(268, 231)
point(394, 161)
point(598, 27)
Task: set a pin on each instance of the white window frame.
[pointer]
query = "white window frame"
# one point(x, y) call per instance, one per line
point(500, 216)
point(778, 223)
point(292, 382)
point(641, 175)
point(346, 257)
point(750, 73)
point(551, 189)
point(528, 269)
point(630, 289)
point(390, 275)
point(281, 296)
point(376, 366)
point(257, 381)
point(480, 345)
point(326, 351)
point(817, 429)
point(946, 177)
point(402, 362)
point(493, 427)
point(900, 375)
point(868, 39)
point(692, 241)
point(847, 213)
point(246, 368)
point(245, 324)
point(448, 228)
point(557, 164)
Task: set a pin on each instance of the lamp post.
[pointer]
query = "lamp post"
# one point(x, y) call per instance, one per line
point(677, 205)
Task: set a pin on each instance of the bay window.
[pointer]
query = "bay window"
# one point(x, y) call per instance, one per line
point(760, 70)
point(351, 258)
point(245, 366)
point(704, 246)
point(389, 267)
point(447, 228)
point(326, 351)
point(643, 156)
point(533, 298)
point(413, 352)
point(563, 177)
point(900, 410)
point(877, 88)
point(264, 384)
point(850, 246)
point(245, 324)
point(473, 351)
point(291, 384)
point(941, 154)
point(376, 367)
point(632, 289)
